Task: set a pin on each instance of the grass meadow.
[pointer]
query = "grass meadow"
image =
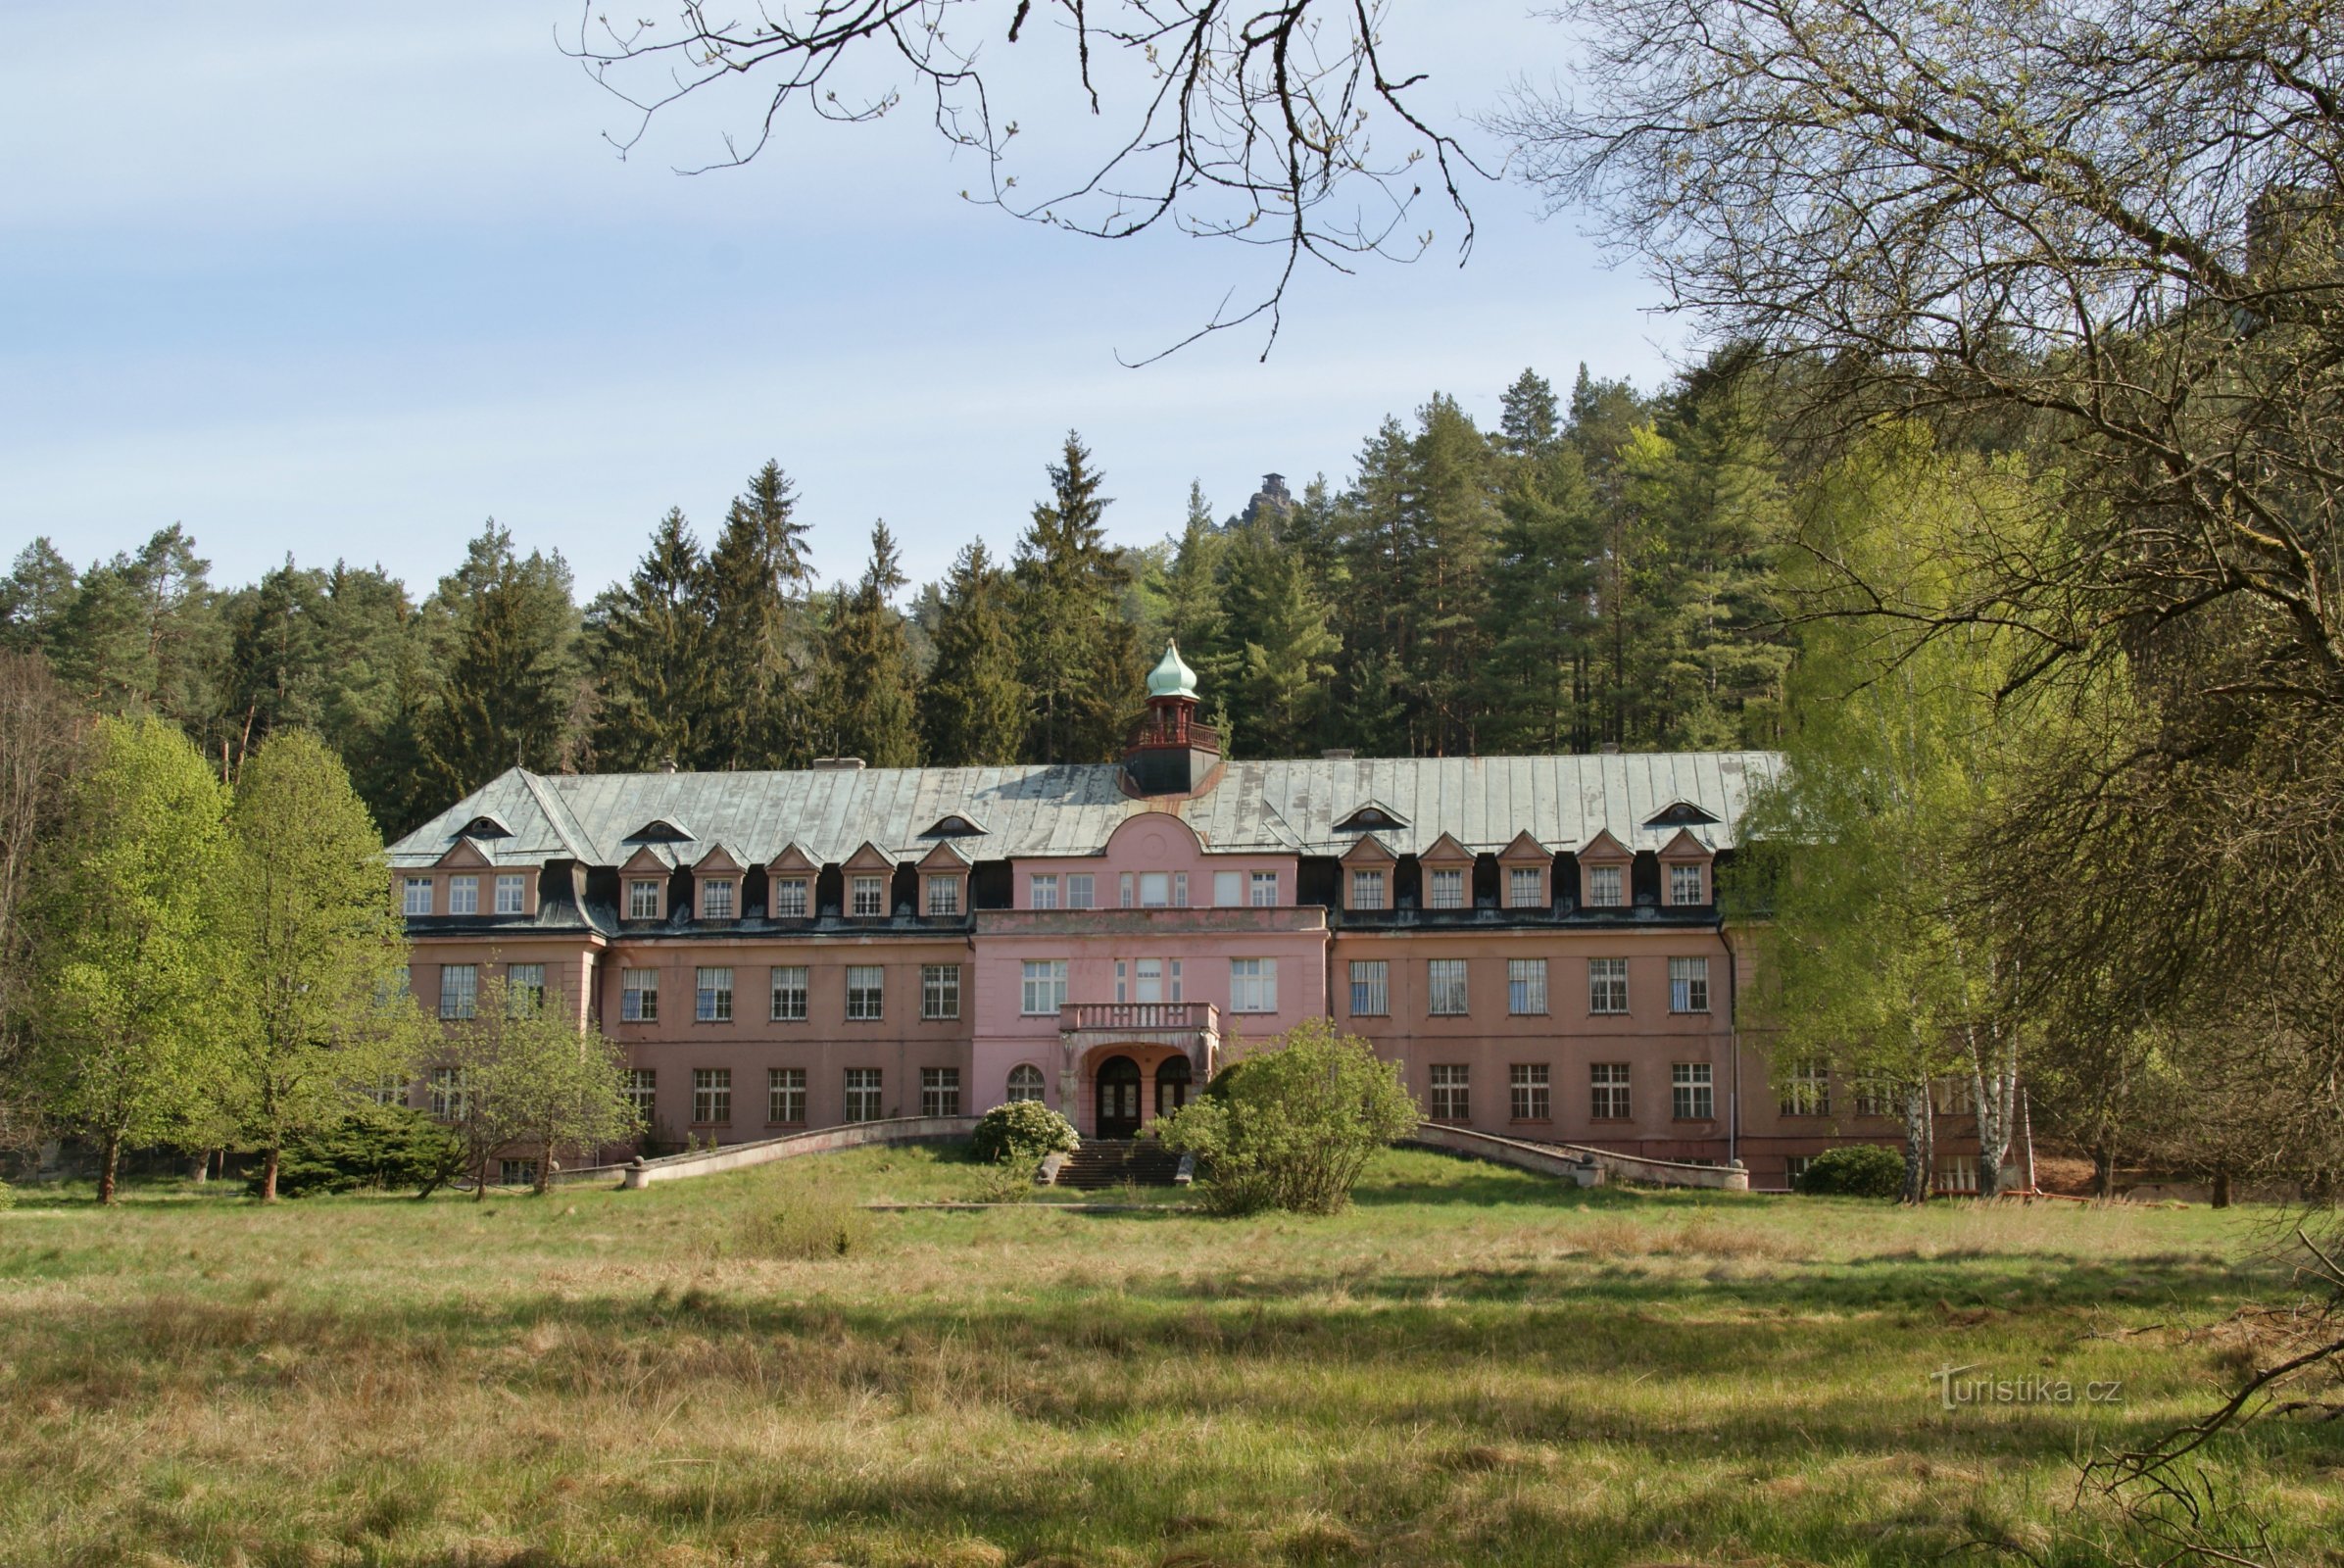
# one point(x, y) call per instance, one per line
point(1472, 1366)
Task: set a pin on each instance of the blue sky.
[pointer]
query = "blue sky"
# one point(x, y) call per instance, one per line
point(342, 281)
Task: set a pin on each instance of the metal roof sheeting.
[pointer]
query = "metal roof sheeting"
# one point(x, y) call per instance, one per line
point(1256, 806)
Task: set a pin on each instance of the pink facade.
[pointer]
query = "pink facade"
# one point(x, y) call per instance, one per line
point(1535, 941)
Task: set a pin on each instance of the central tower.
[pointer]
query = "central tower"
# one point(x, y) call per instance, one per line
point(1171, 752)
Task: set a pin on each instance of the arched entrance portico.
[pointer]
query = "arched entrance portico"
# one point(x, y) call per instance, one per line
point(1115, 1105)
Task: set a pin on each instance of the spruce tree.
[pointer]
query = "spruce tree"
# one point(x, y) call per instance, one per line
point(33, 595)
point(505, 698)
point(866, 704)
point(1286, 665)
point(1078, 652)
point(1536, 683)
point(1193, 613)
point(651, 656)
point(758, 582)
point(1450, 526)
point(1529, 424)
point(972, 708)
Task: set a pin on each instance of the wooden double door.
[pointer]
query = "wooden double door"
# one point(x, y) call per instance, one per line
point(1117, 1088)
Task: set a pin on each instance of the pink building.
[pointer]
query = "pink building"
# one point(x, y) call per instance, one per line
point(1536, 940)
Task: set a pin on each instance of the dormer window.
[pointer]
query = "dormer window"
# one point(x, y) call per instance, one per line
point(716, 898)
point(1368, 890)
point(943, 895)
point(419, 896)
point(789, 898)
point(1606, 887)
point(660, 830)
point(1682, 814)
point(512, 894)
point(643, 899)
point(487, 825)
point(870, 896)
point(1446, 889)
point(954, 826)
point(1689, 884)
point(1526, 887)
point(1370, 818)
point(463, 895)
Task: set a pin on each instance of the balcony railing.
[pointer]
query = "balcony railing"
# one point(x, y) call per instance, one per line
point(1155, 1017)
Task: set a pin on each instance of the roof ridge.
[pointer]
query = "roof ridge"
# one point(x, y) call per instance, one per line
point(554, 812)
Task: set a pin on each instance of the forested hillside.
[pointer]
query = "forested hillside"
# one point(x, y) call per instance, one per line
point(1597, 570)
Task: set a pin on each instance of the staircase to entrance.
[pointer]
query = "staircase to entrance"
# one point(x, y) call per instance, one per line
point(1113, 1162)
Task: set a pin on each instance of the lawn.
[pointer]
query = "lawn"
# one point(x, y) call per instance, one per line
point(1473, 1365)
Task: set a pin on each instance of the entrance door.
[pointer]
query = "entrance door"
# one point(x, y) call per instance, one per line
point(1172, 1078)
point(1118, 1102)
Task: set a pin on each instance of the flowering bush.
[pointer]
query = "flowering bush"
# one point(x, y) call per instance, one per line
point(1022, 1130)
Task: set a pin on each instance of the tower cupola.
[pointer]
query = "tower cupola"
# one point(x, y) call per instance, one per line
point(1171, 752)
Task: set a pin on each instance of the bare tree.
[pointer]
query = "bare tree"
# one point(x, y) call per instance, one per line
point(1264, 123)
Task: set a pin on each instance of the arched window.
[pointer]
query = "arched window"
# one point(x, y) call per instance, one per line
point(1025, 1082)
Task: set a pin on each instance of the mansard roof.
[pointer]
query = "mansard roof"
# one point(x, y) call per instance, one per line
point(1290, 808)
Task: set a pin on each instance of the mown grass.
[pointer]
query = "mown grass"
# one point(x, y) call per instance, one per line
point(1472, 1366)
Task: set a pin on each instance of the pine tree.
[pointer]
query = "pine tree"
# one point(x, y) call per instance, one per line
point(1078, 652)
point(651, 656)
point(1377, 617)
point(142, 634)
point(506, 696)
point(972, 708)
point(1450, 526)
point(1529, 424)
point(1541, 619)
point(1285, 677)
point(758, 582)
point(33, 596)
point(866, 697)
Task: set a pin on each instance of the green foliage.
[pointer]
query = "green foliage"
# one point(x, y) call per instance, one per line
point(530, 1075)
point(812, 1218)
point(125, 919)
point(1078, 653)
point(758, 581)
point(1022, 1130)
point(1293, 1125)
point(651, 645)
point(1855, 1170)
point(506, 632)
point(315, 947)
point(864, 703)
point(388, 1148)
point(972, 708)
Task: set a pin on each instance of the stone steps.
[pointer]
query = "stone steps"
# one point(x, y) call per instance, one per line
point(1113, 1162)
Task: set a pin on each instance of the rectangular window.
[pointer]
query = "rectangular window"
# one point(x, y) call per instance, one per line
point(940, 991)
point(716, 898)
point(1794, 1169)
point(1948, 1096)
point(511, 894)
point(1253, 985)
point(1684, 885)
point(1807, 1090)
point(524, 987)
point(1264, 890)
point(643, 1094)
point(1445, 988)
point(1525, 887)
point(712, 996)
point(460, 990)
point(1604, 887)
point(1229, 889)
point(1607, 984)
point(870, 895)
point(1082, 890)
point(419, 895)
point(1452, 1092)
point(1529, 1091)
point(1445, 888)
point(1045, 987)
point(789, 899)
point(866, 984)
point(643, 900)
point(1042, 892)
point(463, 895)
point(712, 1097)
point(943, 895)
point(1607, 1085)
point(1688, 985)
point(785, 1095)
point(1371, 987)
point(940, 1091)
point(639, 996)
point(1367, 890)
point(516, 1173)
point(788, 993)
point(1692, 1096)
point(446, 1094)
point(1876, 1098)
point(863, 1094)
point(1525, 986)
point(1155, 890)
point(1957, 1173)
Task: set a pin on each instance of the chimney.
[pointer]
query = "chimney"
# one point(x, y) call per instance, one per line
point(1171, 752)
point(666, 765)
point(839, 764)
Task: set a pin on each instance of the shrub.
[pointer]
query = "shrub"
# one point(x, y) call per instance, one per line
point(812, 1220)
point(1022, 1130)
point(1292, 1126)
point(1855, 1170)
point(376, 1146)
point(1009, 1182)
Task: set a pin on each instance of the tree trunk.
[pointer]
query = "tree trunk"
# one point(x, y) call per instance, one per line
point(268, 1174)
point(1920, 1143)
point(2103, 1171)
point(110, 1159)
point(2221, 1186)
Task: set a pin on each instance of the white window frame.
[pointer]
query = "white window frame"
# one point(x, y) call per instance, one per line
point(1262, 890)
point(446, 1094)
point(1526, 987)
point(940, 991)
point(1607, 887)
point(1371, 981)
point(1082, 890)
point(1369, 879)
point(1807, 1088)
point(417, 899)
point(866, 993)
point(940, 1091)
point(1692, 1090)
point(1609, 1092)
point(1688, 985)
point(1526, 887)
point(713, 994)
point(463, 895)
point(1447, 988)
point(1679, 873)
point(1607, 987)
point(785, 1092)
point(1026, 1083)
point(1042, 988)
point(1445, 888)
point(524, 987)
point(639, 996)
point(792, 899)
point(712, 1097)
point(718, 897)
point(865, 1094)
point(1155, 890)
point(789, 992)
point(867, 891)
point(643, 1094)
point(1253, 985)
point(1452, 1098)
point(643, 898)
point(512, 893)
point(1041, 891)
point(460, 990)
point(943, 895)
point(1229, 889)
point(1530, 1091)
